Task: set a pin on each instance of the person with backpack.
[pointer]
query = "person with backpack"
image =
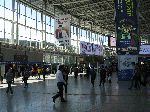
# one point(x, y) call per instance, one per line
point(9, 79)
point(25, 78)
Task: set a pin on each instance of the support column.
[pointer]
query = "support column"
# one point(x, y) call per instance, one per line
point(17, 29)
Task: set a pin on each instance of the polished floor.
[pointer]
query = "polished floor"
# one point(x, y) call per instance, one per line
point(81, 97)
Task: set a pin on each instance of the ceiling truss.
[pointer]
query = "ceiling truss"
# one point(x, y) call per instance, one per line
point(95, 14)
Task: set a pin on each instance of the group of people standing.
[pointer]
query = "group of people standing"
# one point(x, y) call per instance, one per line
point(10, 78)
point(25, 73)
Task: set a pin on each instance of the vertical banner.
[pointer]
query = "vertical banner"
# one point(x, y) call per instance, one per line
point(126, 27)
point(127, 36)
point(62, 29)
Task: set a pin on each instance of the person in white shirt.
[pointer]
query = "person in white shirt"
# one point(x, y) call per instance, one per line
point(60, 83)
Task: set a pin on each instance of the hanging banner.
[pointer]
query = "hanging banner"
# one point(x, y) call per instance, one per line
point(125, 67)
point(62, 29)
point(85, 48)
point(127, 36)
point(97, 49)
point(90, 48)
point(126, 26)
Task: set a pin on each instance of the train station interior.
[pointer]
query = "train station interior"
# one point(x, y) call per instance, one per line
point(108, 38)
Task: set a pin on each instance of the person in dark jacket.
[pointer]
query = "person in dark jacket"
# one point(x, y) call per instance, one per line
point(1, 79)
point(44, 72)
point(135, 80)
point(65, 76)
point(93, 75)
point(102, 76)
point(76, 72)
point(25, 77)
point(9, 78)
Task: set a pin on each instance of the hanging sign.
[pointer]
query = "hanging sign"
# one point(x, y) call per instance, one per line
point(126, 26)
point(62, 29)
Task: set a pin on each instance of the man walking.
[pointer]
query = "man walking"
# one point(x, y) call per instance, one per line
point(60, 83)
point(102, 76)
point(9, 78)
point(93, 75)
point(26, 75)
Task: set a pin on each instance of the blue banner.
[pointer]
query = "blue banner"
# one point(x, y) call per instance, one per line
point(126, 27)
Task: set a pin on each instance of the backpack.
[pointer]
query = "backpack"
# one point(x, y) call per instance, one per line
point(9, 76)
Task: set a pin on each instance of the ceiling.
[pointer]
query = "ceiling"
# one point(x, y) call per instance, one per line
point(96, 15)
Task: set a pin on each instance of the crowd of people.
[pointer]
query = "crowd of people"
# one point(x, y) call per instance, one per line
point(61, 76)
point(25, 72)
point(63, 72)
point(140, 76)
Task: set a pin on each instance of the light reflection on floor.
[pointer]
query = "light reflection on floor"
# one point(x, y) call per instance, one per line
point(30, 80)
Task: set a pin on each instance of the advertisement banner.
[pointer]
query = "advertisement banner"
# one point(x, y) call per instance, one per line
point(62, 29)
point(127, 36)
point(126, 26)
point(97, 49)
point(145, 49)
point(90, 48)
point(125, 67)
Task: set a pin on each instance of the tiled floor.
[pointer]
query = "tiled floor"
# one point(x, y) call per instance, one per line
point(81, 97)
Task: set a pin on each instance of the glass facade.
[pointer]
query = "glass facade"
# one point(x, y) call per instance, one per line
point(25, 26)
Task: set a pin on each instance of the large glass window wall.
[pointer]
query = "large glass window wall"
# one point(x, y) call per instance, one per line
point(27, 27)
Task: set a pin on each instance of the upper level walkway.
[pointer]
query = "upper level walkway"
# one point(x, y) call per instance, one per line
point(81, 97)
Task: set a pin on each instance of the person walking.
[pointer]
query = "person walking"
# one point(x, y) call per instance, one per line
point(1, 79)
point(102, 76)
point(25, 77)
point(136, 77)
point(60, 83)
point(76, 72)
point(109, 74)
point(9, 79)
point(65, 75)
point(93, 75)
point(39, 72)
point(44, 72)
